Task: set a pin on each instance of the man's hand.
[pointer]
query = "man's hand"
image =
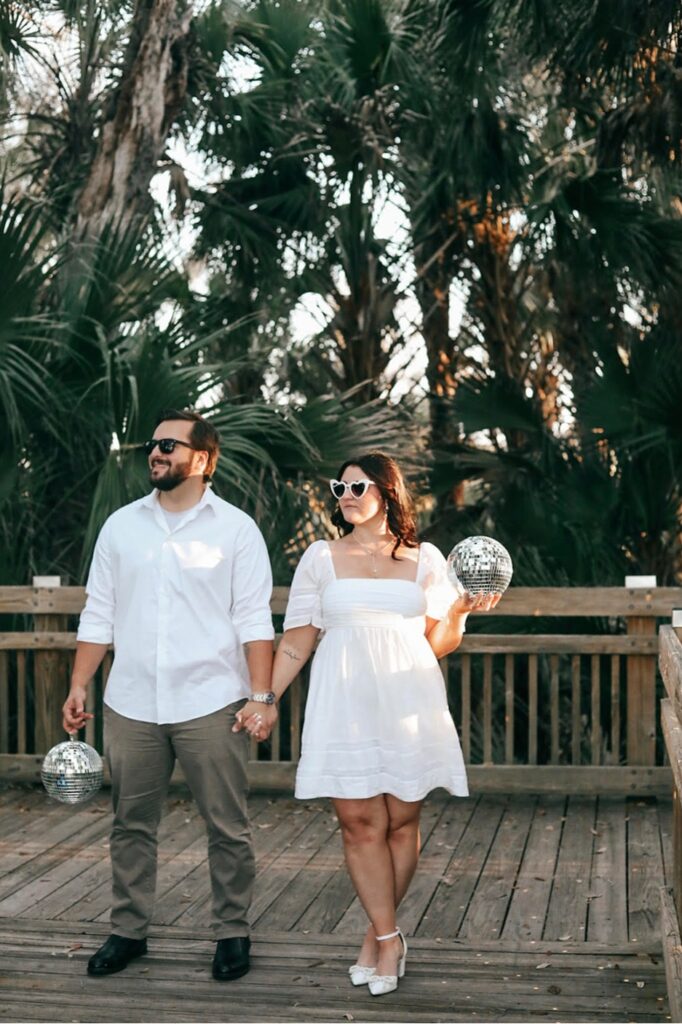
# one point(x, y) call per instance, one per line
point(256, 718)
point(74, 715)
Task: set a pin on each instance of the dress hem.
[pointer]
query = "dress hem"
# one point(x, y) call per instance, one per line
point(332, 792)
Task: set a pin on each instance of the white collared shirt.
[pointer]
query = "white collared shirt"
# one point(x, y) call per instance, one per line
point(177, 604)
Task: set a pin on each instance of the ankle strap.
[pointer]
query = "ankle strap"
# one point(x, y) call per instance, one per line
point(391, 935)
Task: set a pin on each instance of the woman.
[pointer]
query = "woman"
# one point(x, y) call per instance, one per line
point(378, 735)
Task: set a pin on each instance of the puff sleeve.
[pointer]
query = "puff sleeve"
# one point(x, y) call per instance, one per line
point(304, 607)
point(439, 591)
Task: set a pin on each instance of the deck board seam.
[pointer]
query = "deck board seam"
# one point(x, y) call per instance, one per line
point(484, 861)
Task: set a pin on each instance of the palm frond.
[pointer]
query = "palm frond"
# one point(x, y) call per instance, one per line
point(631, 236)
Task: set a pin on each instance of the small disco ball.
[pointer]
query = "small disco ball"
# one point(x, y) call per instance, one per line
point(72, 772)
point(480, 565)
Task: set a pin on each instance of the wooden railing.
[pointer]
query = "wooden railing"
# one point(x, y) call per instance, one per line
point(671, 897)
point(543, 711)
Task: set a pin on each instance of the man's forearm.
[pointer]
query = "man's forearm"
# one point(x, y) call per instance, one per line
point(88, 659)
point(259, 661)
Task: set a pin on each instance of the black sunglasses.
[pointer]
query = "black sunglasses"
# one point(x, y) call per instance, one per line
point(166, 445)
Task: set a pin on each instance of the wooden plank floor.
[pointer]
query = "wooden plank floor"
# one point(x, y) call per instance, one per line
point(42, 978)
point(523, 907)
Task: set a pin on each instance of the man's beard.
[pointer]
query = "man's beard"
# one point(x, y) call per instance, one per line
point(173, 478)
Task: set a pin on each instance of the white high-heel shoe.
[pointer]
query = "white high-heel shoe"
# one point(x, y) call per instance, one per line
point(381, 984)
point(360, 975)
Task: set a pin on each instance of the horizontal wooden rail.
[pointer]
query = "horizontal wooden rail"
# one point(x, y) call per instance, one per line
point(474, 643)
point(570, 643)
point(41, 600)
point(39, 641)
point(279, 776)
point(607, 602)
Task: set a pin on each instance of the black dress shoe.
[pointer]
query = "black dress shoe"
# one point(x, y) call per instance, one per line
point(231, 958)
point(115, 954)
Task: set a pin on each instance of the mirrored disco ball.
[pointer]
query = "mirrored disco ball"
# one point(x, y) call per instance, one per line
point(72, 772)
point(480, 565)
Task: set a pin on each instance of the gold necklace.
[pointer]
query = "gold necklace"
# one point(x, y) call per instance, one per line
point(372, 553)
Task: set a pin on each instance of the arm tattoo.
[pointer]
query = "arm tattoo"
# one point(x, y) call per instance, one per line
point(290, 653)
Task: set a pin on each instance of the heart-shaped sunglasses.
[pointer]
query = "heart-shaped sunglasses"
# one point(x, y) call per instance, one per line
point(357, 488)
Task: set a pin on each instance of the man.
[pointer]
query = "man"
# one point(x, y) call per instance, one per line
point(180, 582)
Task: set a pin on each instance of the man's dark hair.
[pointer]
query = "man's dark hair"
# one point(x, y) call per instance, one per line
point(203, 437)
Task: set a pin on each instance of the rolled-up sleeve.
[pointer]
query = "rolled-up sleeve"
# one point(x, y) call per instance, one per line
point(96, 625)
point(304, 607)
point(251, 587)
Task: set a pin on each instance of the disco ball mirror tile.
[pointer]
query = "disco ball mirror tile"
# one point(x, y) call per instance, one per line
point(72, 772)
point(480, 565)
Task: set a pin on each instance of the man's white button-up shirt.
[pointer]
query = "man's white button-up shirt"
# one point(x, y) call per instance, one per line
point(177, 604)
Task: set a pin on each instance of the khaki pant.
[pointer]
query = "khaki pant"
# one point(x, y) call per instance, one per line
point(141, 757)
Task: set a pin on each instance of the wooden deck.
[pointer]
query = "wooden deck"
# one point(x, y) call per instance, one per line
point(523, 908)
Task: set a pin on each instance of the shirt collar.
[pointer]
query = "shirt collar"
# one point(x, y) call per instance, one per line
point(207, 500)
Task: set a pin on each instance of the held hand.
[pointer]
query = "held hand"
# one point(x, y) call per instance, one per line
point(243, 716)
point(74, 715)
point(257, 719)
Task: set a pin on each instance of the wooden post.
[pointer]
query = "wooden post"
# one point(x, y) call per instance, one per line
point(677, 854)
point(4, 702)
point(671, 898)
point(295, 720)
point(50, 678)
point(641, 686)
point(677, 809)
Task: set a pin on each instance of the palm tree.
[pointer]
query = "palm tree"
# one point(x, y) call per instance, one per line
point(533, 148)
point(85, 358)
point(552, 247)
point(302, 150)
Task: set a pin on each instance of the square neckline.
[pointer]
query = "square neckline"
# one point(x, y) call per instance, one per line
point(383, 579)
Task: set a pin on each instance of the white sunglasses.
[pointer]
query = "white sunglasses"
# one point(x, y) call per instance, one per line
point(358, 488)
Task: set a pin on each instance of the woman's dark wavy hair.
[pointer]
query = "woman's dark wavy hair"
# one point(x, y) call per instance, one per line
point(387, 475)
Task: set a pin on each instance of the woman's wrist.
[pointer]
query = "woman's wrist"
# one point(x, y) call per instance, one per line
point(457, 620)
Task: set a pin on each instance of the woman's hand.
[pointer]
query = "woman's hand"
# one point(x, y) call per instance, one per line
point(468, 602)
point(445, 635)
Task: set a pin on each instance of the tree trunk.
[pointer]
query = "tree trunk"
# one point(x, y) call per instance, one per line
point(132, 140)
point(434, 301)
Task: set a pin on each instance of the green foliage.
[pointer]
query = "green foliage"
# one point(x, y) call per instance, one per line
point(533, 151)
point(595, 504)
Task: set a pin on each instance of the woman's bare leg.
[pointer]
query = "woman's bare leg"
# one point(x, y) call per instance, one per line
point(370, 830)
point(364, 829)
point(403, 841)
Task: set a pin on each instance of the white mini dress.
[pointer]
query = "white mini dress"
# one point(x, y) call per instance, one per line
point(376, 717)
